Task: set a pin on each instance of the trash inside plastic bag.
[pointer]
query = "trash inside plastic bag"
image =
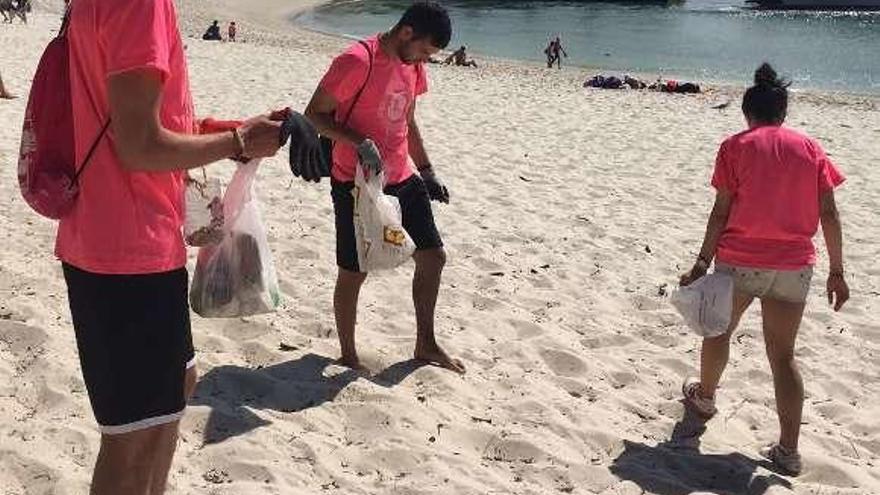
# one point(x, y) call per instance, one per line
point(382, 242)
point(237, 276)
point(706, 304)
point(204, 211)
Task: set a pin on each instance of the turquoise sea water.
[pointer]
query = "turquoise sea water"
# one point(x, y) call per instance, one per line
point(703, 39)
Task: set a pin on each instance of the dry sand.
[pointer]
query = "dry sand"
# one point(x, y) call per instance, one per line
point(570, 210)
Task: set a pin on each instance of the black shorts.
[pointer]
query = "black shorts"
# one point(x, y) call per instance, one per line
point(418, 218)
point(135, 345)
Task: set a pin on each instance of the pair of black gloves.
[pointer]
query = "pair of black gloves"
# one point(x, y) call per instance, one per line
point(310, 159)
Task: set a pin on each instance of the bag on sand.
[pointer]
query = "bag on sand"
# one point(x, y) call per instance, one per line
point(237, 277)
point(706, 304)
point(382, 242)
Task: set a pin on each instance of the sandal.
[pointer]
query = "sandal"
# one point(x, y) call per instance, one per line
point(693, 398)
point(786, 461)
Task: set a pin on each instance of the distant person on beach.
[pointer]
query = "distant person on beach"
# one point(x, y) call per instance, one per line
point(554, 52)
point(385, 74)
point(4, 93)
point(213, 32)
point(774, 187)
point(121, 247)
point(232, 32)
point(10, 9)
point(459, 58)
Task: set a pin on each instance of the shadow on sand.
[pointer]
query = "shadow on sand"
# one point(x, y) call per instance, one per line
point(676, 467)
point(232, 392)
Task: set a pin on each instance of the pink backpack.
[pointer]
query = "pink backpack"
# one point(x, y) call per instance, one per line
point(47, 171)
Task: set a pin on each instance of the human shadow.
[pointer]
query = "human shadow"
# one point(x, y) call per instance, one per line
point(232, 392)
point(676, 466)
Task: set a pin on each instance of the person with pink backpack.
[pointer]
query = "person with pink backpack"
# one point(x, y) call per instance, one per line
point(108, 134)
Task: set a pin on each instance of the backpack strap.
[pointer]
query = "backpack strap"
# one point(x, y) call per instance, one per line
point(91, 152)
point(65, 22)
point(357, 96)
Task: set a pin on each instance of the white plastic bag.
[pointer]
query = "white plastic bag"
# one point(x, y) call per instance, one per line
point(237, 277)
point(204, 211)
point(382, 242)
point(706, 304)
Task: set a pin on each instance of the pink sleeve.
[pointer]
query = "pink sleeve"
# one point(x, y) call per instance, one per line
point(421, 80)
point(723, 179)
point(345, 77)
point(135, 34)
point(829, 175)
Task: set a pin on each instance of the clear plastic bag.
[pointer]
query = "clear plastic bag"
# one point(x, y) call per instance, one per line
point(707, 304)
point(382, 242)
point(204, 211)
point(237, 276)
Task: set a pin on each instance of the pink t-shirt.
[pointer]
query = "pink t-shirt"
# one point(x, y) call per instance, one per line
point(776, 176)
point(382, 110)
point(124, 222)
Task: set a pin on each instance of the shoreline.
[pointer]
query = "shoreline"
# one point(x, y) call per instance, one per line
point(646, 76)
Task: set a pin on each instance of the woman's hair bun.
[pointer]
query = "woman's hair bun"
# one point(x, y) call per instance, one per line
point(767, 76)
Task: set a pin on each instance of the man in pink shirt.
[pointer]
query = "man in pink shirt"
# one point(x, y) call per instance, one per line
point(121, 246)
point(366, 103)
point(774, 187)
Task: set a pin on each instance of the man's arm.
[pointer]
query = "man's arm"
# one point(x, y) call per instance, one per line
point(322, 113)
point(416, 146)
point(143, 144)
point(437, 191)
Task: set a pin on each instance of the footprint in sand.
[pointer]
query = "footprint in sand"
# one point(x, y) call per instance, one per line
point(526, 329)
point(22, 340)
point(563, 363)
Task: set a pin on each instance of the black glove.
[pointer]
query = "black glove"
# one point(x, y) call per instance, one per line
point(437, 191)
point(306, 156)
point(370, 157)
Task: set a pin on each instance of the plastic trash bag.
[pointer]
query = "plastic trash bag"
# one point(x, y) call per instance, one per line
point(237, 277)
point(706, 305)
point(204, 211)
point(382, 242)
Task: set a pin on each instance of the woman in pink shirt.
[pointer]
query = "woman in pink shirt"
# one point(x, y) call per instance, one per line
point(774, 186)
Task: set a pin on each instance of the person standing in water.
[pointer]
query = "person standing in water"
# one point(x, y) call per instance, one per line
point(555, 52)
point(366, 103)
point(774, 187)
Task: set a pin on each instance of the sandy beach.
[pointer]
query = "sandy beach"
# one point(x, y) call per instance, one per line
point(573, 212)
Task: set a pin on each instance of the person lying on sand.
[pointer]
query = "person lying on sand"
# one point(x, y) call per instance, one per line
point(774, 187)
point(374, 123)
point(459, 57)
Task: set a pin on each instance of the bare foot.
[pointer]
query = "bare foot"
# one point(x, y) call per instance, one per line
point(352, 362)
point(436, 356)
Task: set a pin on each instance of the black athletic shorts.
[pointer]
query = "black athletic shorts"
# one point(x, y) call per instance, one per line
point(135, 345)
point(418, 218)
